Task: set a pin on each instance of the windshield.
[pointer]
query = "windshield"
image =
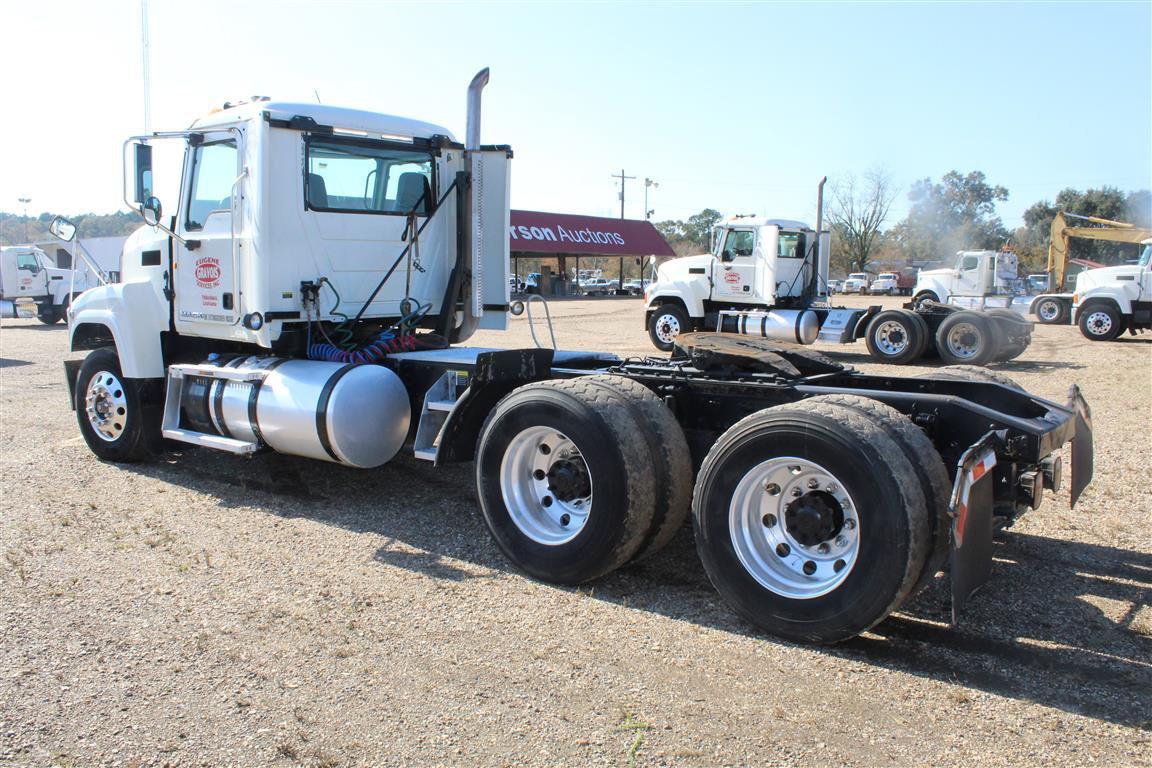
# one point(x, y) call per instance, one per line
point(1146, 255)
point(857, 276)
point(886, 276)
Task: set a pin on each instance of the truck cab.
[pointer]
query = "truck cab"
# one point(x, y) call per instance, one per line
point(1110, 300)
point(27, 272)
point(857, 282)
point(754, 264)
point(975, 274)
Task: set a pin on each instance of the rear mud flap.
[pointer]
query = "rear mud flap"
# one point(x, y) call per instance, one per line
point(1082, 451)
point(971, 511)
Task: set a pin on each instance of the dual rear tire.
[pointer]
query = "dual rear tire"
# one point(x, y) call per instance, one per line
point(813, 520)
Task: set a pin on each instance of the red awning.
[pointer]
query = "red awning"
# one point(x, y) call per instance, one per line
point(537, 232)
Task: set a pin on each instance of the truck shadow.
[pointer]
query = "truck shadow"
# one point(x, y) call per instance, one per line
point(1038, 631)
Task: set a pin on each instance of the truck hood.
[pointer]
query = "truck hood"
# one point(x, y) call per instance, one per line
point(1094, 278)
point(678, 270)
point(942, 272)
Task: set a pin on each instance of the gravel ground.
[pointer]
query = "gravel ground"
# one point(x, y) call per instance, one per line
point(208, 610)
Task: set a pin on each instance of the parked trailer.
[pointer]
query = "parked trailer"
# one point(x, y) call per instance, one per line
point(821, 498)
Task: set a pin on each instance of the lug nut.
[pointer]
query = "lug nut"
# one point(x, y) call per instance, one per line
point(831, 488)
point(772, 489)
point(841, 541)
point(813, 483)
point(822, 549)
point(769, 520)
point(849, 524)
point(797, 492)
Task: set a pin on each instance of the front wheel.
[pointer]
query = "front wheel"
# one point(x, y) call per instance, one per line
point(811, 521)
point(1051, 311)
point(49, 314)
point(665, 323)
point(1100, 322)
point(114, 420)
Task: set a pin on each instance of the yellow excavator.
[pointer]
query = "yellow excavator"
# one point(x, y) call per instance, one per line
point(1056, 305)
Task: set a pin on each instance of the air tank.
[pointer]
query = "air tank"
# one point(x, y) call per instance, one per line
point(799, 326)
point(356, 415)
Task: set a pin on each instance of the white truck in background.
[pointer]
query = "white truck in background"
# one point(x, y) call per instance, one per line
point(769, 278)
point(857, 282)
point(29, 276)
point(1110, 300)
point(978, 280)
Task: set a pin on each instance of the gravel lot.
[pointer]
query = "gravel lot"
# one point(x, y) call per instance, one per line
point(208, 610)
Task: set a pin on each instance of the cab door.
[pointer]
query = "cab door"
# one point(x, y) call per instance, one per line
point(734, 273)
point(205, 279)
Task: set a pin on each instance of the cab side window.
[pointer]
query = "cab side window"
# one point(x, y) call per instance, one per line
point(738, 243)
point(28, 262)
point(213, 173)
point(969, 263)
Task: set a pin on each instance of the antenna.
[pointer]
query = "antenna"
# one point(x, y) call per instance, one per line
point(317, 92)
point(144, 62)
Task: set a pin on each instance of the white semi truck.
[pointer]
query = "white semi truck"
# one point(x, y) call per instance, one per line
point(309, 294)
point(769, 278)
point(1111, 300)
point(28, 275)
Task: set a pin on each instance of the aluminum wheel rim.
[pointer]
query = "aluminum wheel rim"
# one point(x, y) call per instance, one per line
point(885, 340)
point(106, 406)
point(1100, 323)
point(964, 340)
point(667, 328)
point(1048, 310)
point(765, 538)
point(534, 464)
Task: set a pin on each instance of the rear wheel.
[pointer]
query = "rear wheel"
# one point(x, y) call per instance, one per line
point(972, 373)
point(670, 460)
point(925, 296)
point(1100, 322)
point(897, 336)
point(49, 314)
point(114, 420)
point(810, 521)
point(665, 323)
point(1052, 311)
point(563, 474)
point(965, 338)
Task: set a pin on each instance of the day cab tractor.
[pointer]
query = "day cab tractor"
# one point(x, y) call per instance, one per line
point(28, 275)
point(311, 291)
point(1111, 300)
point(769, 278)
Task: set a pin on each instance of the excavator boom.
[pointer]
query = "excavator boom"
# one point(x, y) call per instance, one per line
point(1062, 233)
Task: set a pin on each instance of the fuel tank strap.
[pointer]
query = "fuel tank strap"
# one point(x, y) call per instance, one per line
point(254, 397)
point(322, 409)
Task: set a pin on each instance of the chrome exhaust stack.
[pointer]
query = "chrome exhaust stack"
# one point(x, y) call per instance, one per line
point(472, 131)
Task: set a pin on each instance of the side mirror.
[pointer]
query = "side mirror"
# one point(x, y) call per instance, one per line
point(143, 156)
point(62, 228)
point(150, 209)
point(726, 255)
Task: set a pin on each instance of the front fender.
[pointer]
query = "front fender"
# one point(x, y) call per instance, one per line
point(1113, 295)
point(132, 316)
point(936, 286)
point(692, 295)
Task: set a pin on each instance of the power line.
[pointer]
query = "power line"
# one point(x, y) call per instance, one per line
point(622, 178)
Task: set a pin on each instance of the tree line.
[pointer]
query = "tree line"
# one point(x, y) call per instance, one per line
point(956, 213)
point(13, 226)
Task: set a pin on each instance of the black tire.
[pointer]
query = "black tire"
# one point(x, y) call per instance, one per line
point(896, 336)
point(49, 314)
point(1051, 311)
point(616, 466)
point(131, 427)
point(924, 296)
point(1100, 322)
point(972, 373)
point(927, 464)
point(893, 536)
point(1010, 345)
point(665, 323)
point(670, 460)
point(966, 338)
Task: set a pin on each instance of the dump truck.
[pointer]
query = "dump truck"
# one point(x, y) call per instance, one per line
point(768, 278)
point(312, 291)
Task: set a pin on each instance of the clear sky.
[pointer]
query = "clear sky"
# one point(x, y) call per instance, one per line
point(736, 106)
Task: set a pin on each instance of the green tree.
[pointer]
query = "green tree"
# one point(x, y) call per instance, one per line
point(957, 214)
point(693, 235)
point(1031, 240)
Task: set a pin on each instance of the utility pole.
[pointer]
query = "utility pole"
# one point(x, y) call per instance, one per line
point(647, 183)
point(147, 77)
point(24, 201)
point(622, 178)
